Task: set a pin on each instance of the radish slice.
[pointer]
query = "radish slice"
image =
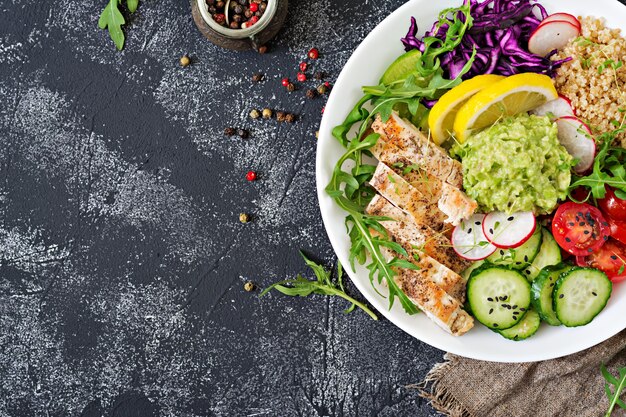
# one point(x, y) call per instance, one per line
point(550, 36)
point(568, 102)
point(563, 16)
point(468, 239)
point(576, 137)
point(506, 230)
point(555, 109)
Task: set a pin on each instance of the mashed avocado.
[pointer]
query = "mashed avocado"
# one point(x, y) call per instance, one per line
point(516, 165)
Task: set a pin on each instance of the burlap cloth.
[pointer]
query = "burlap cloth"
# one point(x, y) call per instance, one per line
point(569, 387)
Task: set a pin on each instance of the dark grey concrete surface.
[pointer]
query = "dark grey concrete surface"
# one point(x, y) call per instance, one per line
point(122, 260)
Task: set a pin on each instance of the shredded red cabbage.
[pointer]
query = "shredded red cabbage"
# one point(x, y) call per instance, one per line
point(500, 33)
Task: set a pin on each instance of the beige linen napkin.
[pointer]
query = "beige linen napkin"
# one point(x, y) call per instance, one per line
point(566, 387)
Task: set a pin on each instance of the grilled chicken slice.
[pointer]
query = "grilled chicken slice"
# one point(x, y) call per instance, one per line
point(430, 157)
point(450, 200)
point(429, 297)
point(417, 239)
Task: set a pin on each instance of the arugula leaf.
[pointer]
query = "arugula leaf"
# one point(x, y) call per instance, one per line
point(618, 384)
point(112, 19)
point(323, 285)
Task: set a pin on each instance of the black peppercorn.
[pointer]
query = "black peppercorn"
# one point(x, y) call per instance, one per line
point(238, 9)
point(248, 13)
point(258, 77)
point(310, 93)
point(258, 13)
point(243, 2)
point(262, 7)
point(234, 25)
point(212, 9)
point(262, 49)
point(229, 131)
point(322, 89)
point(243, 133)
point(280, 116)
point(219, 4)
point(319, 75)
point(237, 18)
point(290, 117)
point(291, 87)
point(210, 2)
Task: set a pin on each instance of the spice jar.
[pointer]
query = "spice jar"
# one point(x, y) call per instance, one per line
point(253, 36)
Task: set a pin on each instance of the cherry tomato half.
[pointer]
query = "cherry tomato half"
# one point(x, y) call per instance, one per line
point(580, 229)
point(613, 206)
point(610, 259)
point(618, 230)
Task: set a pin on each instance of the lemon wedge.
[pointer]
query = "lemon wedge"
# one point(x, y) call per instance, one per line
point(442, 115)
point(512, 95)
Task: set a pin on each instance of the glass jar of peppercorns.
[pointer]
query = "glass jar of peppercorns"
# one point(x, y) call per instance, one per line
point(239, 24)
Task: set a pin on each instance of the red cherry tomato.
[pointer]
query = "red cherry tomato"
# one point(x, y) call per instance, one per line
point(613, 206)
point(610, 259)
point(618, 230)
point(580, 229)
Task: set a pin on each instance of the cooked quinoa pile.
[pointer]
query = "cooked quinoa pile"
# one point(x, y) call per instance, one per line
point(595, 79)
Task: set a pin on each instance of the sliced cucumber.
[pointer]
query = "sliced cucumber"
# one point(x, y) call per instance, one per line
point(465, 274)
point(402, 67)
point(498, 297)
point(527, 327)
point(549, 254)
point(542, 289)
point(520, 257)
point(580, 295)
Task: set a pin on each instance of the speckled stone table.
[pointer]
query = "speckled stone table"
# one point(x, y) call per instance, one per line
point(122, 258)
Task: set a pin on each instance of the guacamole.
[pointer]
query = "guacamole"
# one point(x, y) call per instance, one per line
point(517, 164)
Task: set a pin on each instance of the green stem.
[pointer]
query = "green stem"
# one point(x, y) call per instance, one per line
point(618, 390)
point(355, 302)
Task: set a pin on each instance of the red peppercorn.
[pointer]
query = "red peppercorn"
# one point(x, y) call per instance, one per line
point(253, 20)
point(219, 18)
point(323, 108)
point(254, 7)
point(303, 66)
point(301, 77)
point(327, 84)
point(314, 53)
point(251, 176)
point(285, 82)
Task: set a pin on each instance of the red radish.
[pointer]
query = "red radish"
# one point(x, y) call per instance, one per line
point(550, 36)
point(468, 239)
point(576, 137)
point(568, 102)
point(509, 230)
point(563, 16)
point(555, 109)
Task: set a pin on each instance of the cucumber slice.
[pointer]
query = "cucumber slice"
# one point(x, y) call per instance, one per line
point(527, 327)
point(549, 254)
point(520, 257)
point(465, 274)
point(580, 295)
point(498, 296)
point(541, 292)
point(402, 67)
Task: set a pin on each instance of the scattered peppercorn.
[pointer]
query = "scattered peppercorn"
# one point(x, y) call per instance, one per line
point(254, 7)
point(234, 25)
point(327, 84)
point(243, 133)
point(229, 131)
point(185, 61)
point(290, 117)
point(257, 77)
point(323, 108)
point(254, 114)
point(244, 218)
point(310, 93)
point(248, 286)
point(253, 20)
point(301, 77)
point(322, 89)
point(280, 116)
point(267, 113)
point(303, 66)
point(219, 18)
point(291, 88)
point(313, 53)
point(319, 75)
point(285, 82)
point(317, 134)
point(262, 49)
point(251, 176)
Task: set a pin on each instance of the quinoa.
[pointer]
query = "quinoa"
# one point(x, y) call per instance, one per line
point(595, 79)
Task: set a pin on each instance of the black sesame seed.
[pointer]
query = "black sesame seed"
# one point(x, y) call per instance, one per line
point(561, 295)
point(477, 223)
point(514, 318)
point(469, 230)
point(594, 294)
point(567, 239)
point(525, 258)
point(490, 230)
point(518, 263)
point(490, 310)
point(522, 309)
point(527, 272)
point(511, 218)
point(586, 232)
point(515, 306)
point(501, 252)
point(489, 299)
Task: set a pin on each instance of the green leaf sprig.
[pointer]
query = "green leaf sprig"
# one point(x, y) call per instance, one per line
point(112, 19)
point(618, 386)
point(609, 166)
point(323, 285)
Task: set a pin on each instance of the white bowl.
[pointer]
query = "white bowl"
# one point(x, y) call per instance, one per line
point(367, 64)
